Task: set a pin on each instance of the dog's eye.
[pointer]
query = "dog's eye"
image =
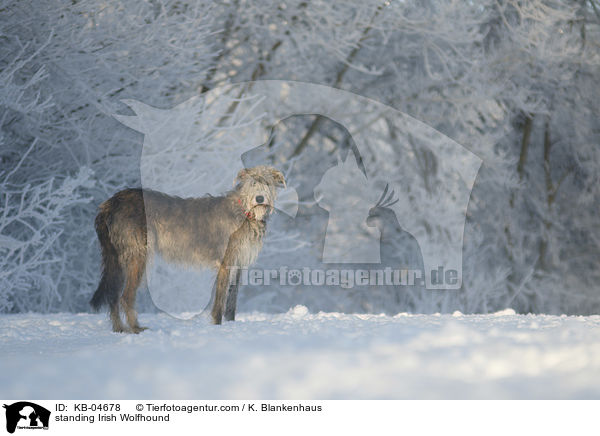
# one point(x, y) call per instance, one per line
point(260, 199)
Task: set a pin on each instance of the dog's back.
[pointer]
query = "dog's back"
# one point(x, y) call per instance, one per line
point(192, 231)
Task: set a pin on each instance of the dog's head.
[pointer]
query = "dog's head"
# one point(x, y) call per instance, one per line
point(257, 188)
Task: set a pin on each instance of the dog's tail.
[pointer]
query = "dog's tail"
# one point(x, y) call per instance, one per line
point(113, 277)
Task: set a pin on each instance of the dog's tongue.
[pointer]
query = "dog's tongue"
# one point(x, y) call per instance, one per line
point(287, 202)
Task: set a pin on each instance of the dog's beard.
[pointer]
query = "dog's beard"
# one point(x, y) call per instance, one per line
point(262, 211)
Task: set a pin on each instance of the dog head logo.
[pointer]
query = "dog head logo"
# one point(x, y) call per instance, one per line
point(189, 149)
point(26, 415)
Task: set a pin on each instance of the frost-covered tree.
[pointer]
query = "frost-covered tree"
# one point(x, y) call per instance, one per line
point(515, 82)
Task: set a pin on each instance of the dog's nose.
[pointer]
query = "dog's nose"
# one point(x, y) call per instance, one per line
point(260, 199)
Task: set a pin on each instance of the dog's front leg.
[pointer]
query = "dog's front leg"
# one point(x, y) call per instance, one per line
point(232, 295)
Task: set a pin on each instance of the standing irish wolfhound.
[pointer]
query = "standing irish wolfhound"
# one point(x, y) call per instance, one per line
point(224, 233)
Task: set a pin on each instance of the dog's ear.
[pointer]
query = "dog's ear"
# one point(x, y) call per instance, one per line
point(241, 175)
point(278, 177)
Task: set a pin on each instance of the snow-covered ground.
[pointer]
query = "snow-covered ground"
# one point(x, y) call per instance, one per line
point(302, 356)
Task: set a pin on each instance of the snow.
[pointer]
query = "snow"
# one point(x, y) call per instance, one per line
point(301, 355)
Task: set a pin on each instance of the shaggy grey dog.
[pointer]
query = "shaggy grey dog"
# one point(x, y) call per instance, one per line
point(223, 233)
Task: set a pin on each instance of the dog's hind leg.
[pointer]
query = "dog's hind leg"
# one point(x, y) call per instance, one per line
point(222, 285)
point(115, 317)
point(135, 272)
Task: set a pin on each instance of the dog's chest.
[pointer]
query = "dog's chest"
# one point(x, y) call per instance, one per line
point(249, 242)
